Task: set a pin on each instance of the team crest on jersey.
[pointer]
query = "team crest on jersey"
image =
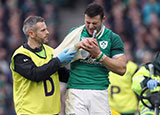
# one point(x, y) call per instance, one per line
point(103, 44)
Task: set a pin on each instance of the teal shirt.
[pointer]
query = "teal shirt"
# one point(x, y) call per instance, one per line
point(90, 73)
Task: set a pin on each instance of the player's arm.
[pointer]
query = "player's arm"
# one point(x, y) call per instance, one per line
point(26, 67)
point(117, 64)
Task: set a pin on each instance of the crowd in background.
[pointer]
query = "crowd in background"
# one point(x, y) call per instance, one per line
point(136, 21)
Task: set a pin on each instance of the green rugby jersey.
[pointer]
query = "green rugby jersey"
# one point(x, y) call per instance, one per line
point(89, 73)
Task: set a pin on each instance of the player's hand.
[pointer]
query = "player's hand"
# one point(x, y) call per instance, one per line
point(91, 45)
point(65, 56)
point(82, 44)
point(151, 84)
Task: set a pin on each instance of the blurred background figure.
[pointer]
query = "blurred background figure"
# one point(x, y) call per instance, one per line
point(121, 96)
point(136, 21)
point(147, 76)
point(148, 9)
point(120, 91)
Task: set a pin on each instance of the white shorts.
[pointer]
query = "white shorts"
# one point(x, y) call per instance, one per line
point(87, 102)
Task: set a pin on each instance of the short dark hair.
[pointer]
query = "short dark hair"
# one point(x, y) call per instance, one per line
point(30, 22)
point(93, 10)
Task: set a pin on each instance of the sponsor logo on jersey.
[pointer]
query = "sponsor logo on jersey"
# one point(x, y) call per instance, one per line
point(72, 114)
point(90, 60)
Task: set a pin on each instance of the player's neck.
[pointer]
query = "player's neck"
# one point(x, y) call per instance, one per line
point(32, 44)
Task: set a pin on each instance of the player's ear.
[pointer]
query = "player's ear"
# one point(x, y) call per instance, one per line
point(103, 19)
point(31, 33)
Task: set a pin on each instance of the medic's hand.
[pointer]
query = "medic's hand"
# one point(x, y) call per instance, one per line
point(65, 56)
point(151, 84)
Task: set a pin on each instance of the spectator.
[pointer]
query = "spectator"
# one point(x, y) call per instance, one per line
point(151, 6)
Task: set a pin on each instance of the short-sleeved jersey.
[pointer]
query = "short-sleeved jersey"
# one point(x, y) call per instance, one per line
point(36, 98)
point(120, 91)
point(89, 73)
